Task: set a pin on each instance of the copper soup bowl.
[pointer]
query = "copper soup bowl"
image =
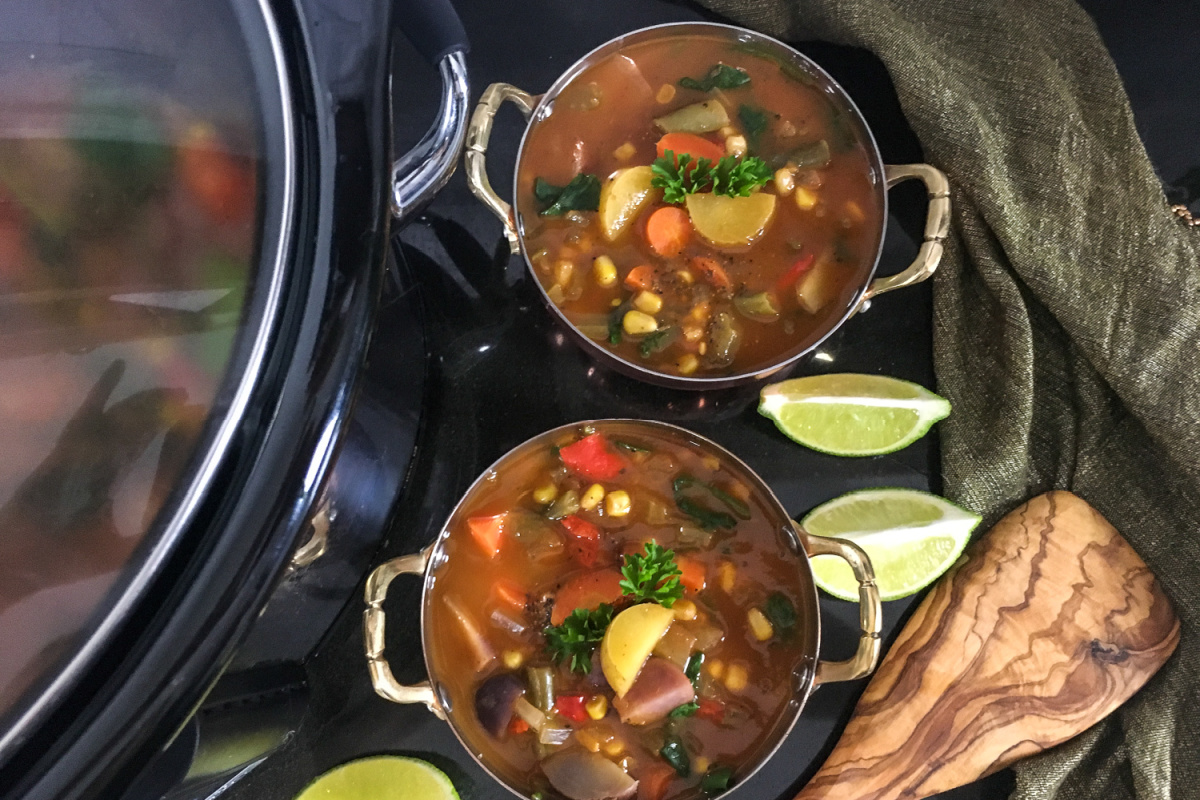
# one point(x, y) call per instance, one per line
point(794, 545)
point(882, 176)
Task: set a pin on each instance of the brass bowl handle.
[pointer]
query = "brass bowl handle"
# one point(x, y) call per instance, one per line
point(382, 679)
point(937, 227)
point(479, 131)
point(870, 609)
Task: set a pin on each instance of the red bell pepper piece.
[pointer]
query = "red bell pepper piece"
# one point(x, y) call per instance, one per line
point(711, 709)
point(592, 458)
point(571, 706)
point(795, 272)
point(585, 539)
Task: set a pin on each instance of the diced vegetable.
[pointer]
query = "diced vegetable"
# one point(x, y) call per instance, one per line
point(488, 533)
point(571, 706)
point(538, 536)
point(736, 678)
point(713, 273)
point(628, 642)
point(675, 754)
point(691, 574)
point(507, 623)
point(676, 645)
point(605, 272)
point(545, 493)
point(563, 505)
point(623, 198)
point(584, 537)
point(596, 706)
point(592, 458)
point(711, 710)
point(554, 735)
point(687, 364)
point(648, 302)
point(532, 716)
point(730, 221)
point(760, 306)
point(760, 626)
point(513, 659)
point(819, 287)
point(617, 503)
point(708, 635)
point(654, 780)
point(640, 277)
point(517, 726)
point(668, 230)
point(541, 688)
point(724, 337)
point(798, 269)
point(587, 591)
point(510, 593)
point(716, 780)
point(481, 650)
point(583, 775)
point(704, 117)
point(689, 144)
point(660, 687)
point(494, 701)
point(806, 198)
point(726, 576)
point(813, 155)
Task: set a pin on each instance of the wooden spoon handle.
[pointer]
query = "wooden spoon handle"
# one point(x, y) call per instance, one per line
point(1050, 624)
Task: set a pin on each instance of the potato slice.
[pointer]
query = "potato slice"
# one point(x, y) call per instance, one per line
point(697, 118)
point(631, 637)
point(730, 221)
point(819, 287)
point(623, 197)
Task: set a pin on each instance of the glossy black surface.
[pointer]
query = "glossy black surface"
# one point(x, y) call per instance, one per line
point(500, 371)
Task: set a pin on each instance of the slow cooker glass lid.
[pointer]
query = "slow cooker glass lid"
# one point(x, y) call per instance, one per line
point(145, 164)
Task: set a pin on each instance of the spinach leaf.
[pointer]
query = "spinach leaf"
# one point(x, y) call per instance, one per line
point(685, 710)
point(692, 670)
point(780, 611)
point(674, 753)
point(754, 120)
point(616, 322)
point(658, 340)
point(716, 780)
point(721, 76)
point(735, 505)
point(704, 516)
point(581, 194)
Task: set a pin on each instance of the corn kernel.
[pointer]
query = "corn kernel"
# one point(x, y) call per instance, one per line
point(712, 462)
point(693, 333)
point(605, 272)
point(703, 348)
point(684, 609)
point(563, 271)
point(726, 575)
point(545, 494)
point(715, 667)
point(513, 659)
point(589, 738)
point(592, 497)
point(785, 181)
point(806, 198)
point(614, 748)
point(616, 301)
point(686, 276)
point(596, 706)
point(726, 131)
point(760, 626)
point(625, 152)
point(638, 323)
point(687, 364)
point(700, 311)
point(701, 764)
point(617, 504)
point(736, 677)
point(854, 212)
point(735, 145)
point(666, 93)
point(648, 302)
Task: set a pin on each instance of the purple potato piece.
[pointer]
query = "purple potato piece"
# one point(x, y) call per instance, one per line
point(660, 687)
point(583, 775)
point(494, 701)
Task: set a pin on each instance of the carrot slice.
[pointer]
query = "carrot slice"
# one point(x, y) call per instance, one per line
point(713, 272)
point(585, 539)
point(654, 780)
point(640, 277)
point(509, 593)
point(488, 532)
point(588, 591)
point(695, 146)
point(668, 230)
point(692, 577)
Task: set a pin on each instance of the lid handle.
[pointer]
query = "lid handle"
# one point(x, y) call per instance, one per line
point(433, 27)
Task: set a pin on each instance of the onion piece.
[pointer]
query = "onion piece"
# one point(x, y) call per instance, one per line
point(526, 711)
point(583, 775)
point(507, 623)
point(551, 735)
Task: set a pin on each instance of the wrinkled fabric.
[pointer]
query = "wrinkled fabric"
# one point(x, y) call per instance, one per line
point(1066, 317)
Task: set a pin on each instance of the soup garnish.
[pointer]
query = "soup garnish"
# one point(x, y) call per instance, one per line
point(698, 206)
point(617, 616)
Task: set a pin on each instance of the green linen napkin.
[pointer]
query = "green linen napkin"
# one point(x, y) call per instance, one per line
point(1066, 317)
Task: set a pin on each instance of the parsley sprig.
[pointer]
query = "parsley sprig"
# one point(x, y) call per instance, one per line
point(652, 576)
point(731, 175)
point(576, 638)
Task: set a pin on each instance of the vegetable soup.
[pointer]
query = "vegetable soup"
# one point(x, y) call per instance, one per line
point(619, 614)
point(699, 206)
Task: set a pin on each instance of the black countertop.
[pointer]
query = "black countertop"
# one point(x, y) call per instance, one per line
point(499, 370)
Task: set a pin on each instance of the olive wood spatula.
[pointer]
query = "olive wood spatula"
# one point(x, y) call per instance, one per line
point(1051, 623)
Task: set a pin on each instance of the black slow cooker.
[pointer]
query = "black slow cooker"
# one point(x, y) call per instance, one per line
point(198, 454)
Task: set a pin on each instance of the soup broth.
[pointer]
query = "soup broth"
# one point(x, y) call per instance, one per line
point(698, 280)
point(542, 543)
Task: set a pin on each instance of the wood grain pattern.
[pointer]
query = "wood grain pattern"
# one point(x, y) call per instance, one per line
point(1052, 623)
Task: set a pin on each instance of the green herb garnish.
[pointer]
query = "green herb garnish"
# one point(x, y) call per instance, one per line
point(716, 780)
point(675, 754)
point(732, 176)
point(754, 120)
point(581, 194)
point(721, 76)
point(576, 638)
point(653, 576)
point(781, 613)
point(685, 710)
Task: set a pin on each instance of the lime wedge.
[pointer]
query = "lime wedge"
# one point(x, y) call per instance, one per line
point(911, 537)
point(382, 778)
point(852, 415)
